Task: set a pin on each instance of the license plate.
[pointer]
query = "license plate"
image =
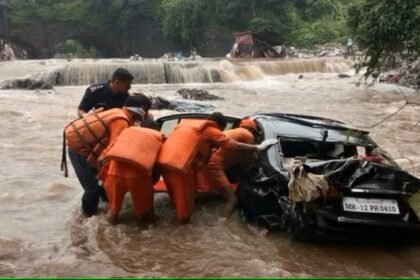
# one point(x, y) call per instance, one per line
point(371, 205)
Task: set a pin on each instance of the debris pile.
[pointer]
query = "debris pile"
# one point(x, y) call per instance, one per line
point(408, 74)
point(197, 94)
point(26, 83)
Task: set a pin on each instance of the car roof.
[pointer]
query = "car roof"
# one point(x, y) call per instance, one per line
point(193, 116)
point(296, 126)
point(312, 128)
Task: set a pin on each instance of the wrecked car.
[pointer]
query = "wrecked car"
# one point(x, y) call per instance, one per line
point(327, 179)
point(323, 179)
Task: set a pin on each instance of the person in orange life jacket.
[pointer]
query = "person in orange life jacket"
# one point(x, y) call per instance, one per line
point(85, 161)
point(109, 95)
point(181, 185)
point(122, 175)
point(246, 133)
point(212, 177)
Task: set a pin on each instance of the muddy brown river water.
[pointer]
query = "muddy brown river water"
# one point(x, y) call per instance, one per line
point(42, 232)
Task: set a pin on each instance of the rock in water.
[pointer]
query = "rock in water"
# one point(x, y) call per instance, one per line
point(197, 94)
point(160, 103)
point(342, 76)
point(322, 54)
point(26, 84)
point(215, 76)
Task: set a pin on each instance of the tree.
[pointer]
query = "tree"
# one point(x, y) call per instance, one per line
point(184, 21)
point(386, 29)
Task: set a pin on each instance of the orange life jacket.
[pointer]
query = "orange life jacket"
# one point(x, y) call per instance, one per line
point(89, 136)
point(137, 146)
point(186, 145)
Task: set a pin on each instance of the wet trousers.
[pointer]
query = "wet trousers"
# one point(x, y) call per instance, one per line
point(181, 189)
point(140, 188)
point(87, 178)
point(212, 176)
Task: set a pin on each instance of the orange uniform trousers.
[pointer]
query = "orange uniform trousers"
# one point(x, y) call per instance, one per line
point(122, 178)
point(181, 188)
point(212, 175)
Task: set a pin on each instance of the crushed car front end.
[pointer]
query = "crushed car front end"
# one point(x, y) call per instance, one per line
point(316, 183)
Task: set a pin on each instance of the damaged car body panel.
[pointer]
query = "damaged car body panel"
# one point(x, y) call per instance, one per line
point(316, 182)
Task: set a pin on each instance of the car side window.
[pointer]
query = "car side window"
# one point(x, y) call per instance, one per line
point(168, 126)
point(229, 125)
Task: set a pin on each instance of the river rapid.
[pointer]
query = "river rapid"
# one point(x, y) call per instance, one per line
point(42, 232)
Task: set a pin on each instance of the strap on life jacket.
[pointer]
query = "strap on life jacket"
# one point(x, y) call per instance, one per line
point(84, 141)
point(99, 138)
point(95, 140)
point(64, 157)
point(87, 139)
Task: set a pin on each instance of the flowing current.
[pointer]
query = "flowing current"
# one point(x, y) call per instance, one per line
point(42, 232)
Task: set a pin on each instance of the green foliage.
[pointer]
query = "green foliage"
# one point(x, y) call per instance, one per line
point(73, 48)
point(300, 22)
point(184, 21)
point(318, 22)
point(269, 24)
point(386, 29)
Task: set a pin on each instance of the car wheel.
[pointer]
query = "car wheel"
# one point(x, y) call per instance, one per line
point(302, 223)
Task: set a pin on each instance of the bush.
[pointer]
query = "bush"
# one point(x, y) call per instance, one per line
point(73, 48)
point(386, 29)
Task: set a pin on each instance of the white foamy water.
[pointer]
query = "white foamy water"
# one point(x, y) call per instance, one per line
point(42, 232)
point(87, 71)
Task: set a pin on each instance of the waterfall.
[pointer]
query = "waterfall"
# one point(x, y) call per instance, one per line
point(156, 72)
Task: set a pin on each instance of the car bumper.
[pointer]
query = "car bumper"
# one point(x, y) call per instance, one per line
point(328, 220)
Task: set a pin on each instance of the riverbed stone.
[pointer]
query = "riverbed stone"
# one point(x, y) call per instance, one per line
point(197, 94)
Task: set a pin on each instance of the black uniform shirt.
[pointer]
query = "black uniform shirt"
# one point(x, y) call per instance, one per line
point(97, 96)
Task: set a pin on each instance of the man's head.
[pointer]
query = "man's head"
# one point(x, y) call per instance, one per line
point(138, 105)
point(219, 119)
point(121, 81)
point(250, 125)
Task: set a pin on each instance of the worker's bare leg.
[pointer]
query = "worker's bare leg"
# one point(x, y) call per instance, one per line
point(231, 200)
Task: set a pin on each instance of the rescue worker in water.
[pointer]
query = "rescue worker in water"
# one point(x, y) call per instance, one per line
point(129, 166)
point(212, 177)
point(188, 148)
point(89, 137)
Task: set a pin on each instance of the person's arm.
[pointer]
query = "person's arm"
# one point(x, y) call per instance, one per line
point(86, 104)
point(115, 128)
point(149, 116)
point(222, 141)
point(82, 113)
